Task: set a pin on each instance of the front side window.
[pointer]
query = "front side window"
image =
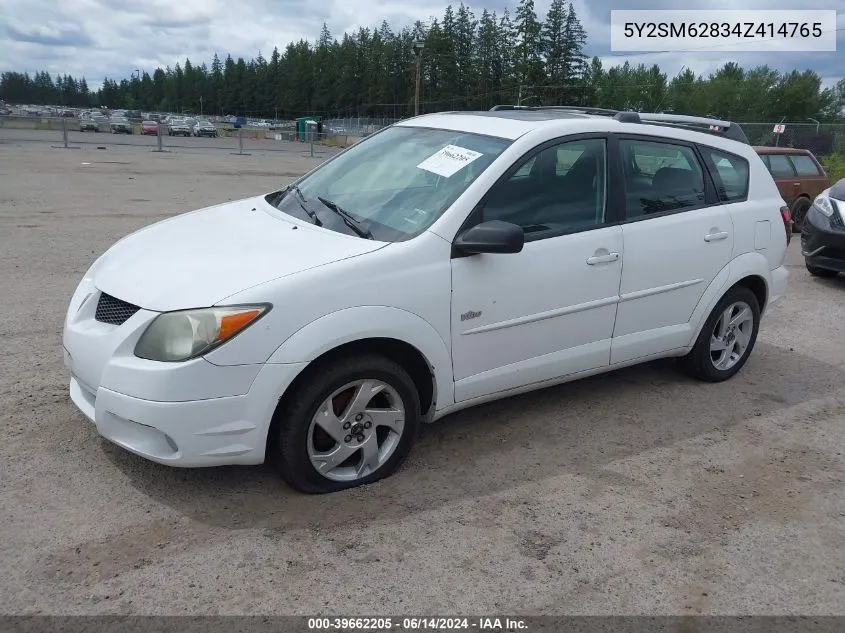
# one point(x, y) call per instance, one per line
point(804, 165)
point(394, 184)
point(660, 177)
point(559, 189)
point(731, 174)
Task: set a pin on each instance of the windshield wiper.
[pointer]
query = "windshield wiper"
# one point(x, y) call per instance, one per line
point(302, 203)
point(351, 222)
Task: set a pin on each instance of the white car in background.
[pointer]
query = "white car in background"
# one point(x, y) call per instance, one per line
point(445, 261)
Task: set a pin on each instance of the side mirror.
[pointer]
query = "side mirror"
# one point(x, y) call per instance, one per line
point(494, 236)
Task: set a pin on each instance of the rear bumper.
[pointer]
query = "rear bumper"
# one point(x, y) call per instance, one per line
point(823, 241)
point(779, 283)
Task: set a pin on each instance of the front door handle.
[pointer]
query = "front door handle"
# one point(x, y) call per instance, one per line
point(715, 237)
point(602, 259)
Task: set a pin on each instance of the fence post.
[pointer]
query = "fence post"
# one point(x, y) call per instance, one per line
point(312, 143)
point(240, 151)
point(64, 130)
point(159, 148)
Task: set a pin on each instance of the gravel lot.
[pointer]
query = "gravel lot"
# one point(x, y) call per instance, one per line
point(636, 492)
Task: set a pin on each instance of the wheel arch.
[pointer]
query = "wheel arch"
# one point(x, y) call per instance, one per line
point(750, 270)
point(400, 335)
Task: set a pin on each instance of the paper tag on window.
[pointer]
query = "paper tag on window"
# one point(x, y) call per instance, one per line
point(449, 160)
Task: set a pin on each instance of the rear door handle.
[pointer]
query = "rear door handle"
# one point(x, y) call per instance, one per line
point(602, 259)
point(715, 237)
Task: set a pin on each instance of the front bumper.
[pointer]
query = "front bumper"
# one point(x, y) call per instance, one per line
point(823, 241)
point(187, 414)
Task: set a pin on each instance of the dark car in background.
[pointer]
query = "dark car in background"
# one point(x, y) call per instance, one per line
point(205, 128)
point(91, 122)
point(799, 177)
point(178, 127)
point(823, 235)
point(120, 125)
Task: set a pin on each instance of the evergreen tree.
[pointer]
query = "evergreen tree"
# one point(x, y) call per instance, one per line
point(529, 64)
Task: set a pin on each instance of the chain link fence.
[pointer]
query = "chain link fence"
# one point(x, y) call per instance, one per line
point(823, 139)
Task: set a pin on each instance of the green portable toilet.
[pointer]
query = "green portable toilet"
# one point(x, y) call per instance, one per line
point(302, 126)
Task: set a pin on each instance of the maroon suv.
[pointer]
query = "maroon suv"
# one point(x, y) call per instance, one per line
point(799, 177)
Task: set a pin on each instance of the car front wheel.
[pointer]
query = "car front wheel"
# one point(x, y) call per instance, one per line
point(727, 338)
point(348, 423)
point(799, 212)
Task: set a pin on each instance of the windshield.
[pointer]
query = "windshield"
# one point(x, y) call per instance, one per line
point(395, 183)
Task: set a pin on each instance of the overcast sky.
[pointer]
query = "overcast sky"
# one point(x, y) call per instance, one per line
point(97, 38)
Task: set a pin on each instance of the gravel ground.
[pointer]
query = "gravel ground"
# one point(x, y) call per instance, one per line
point(637, 492)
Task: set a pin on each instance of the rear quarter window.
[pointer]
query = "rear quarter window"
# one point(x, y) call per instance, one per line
point(730, 174)
point(804, 165)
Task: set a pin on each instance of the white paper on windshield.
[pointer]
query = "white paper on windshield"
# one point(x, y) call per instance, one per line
point(449, 160)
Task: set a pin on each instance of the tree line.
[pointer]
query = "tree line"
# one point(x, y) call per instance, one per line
point(468, 61)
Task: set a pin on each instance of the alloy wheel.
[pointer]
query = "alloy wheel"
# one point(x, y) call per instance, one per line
point(731, 336)
point(356, 430)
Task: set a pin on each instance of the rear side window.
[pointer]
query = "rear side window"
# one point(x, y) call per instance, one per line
point(804, 165)
point(780, 167)
point(731, 174)
point(660, 177)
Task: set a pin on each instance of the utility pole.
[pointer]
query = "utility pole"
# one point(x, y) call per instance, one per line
point(200, 105)
point(418, 48)
point(777, 137)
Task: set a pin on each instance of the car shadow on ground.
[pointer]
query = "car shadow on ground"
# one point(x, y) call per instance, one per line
point(832, 282)
point(576, 428)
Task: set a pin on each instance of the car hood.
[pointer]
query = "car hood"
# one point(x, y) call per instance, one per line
point(199, 258)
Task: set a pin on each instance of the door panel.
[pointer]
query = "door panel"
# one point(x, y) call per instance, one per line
point(535, 315)
point(670, 258)
point(547, 311)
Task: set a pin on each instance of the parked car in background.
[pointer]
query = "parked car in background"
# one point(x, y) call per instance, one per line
point(799, 176)
point(448, 260)
point(823, 236)
point(89, 123)
point(205, 128)
point(120, 125)
point(178, 127)
point(149, 128)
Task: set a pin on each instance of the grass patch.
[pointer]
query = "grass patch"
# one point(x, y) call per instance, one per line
point(835, 165)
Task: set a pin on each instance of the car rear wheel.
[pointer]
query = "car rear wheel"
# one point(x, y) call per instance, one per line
point(799, 212)
point(727, 338)
point(349, 423)
point(815, 271)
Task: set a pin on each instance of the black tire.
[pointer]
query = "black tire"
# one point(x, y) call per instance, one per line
point(799, 212)
point(815, 271)
point(698, 362)
point(288, 444)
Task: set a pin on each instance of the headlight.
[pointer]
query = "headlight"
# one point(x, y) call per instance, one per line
point(825, 204)
point(186, 334)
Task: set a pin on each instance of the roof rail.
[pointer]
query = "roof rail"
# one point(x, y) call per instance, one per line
point(582, 109)
point(708, 125)
point(716, 127)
